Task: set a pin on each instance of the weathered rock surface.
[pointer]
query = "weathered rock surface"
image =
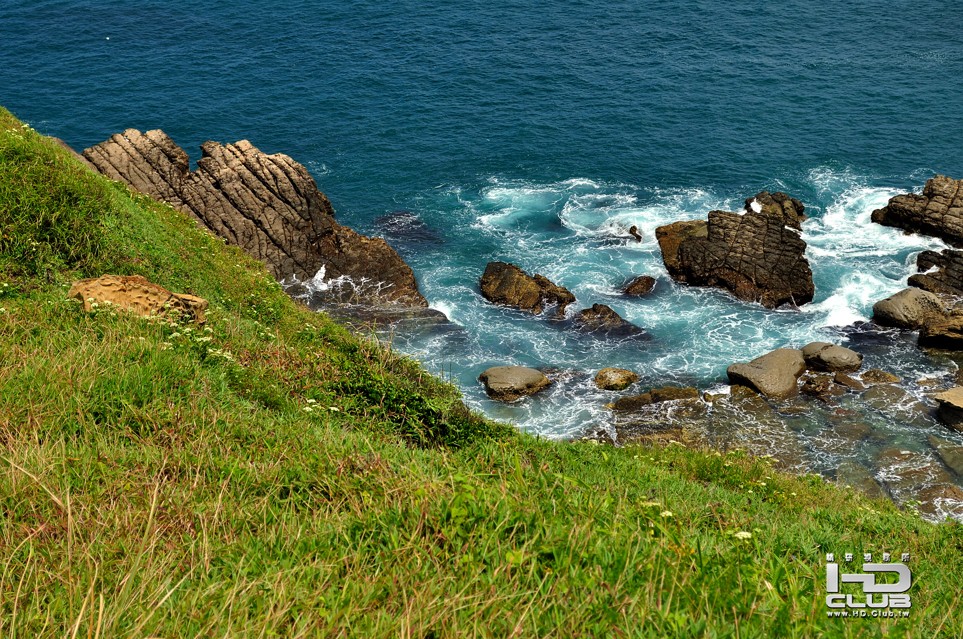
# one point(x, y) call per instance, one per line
point(511, 383)
point(940, 273)
point(654, 396)
point(757, 256)
point(950, 410)
point(950, 453)
point(855, 475)
point(641, 285)
point(946, 334)
point(910, 308)
point(602, 320)
point(137, 295)
point(821, 386)
point(937, 212)
point(615, 379)
point(823, 356)
point(774, 374)
point(849, 382)
point(269, 205)
point(506, 284)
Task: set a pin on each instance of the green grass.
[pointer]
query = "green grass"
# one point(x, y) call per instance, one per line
point(272, 475)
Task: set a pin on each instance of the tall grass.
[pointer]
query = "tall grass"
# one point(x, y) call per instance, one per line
point(272, 475)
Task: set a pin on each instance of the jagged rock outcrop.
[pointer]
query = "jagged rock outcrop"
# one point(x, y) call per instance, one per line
point(950, 410)
point(937, 212)
point(602, 320)
point(137, 295)
point(945, 334)
point(506, 284)
point(910, 308)
point(511, 383)
point(939, 273)
point(757, 256)
point(269, 205)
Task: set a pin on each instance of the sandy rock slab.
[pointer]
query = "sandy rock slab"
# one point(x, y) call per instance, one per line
point(137, 295)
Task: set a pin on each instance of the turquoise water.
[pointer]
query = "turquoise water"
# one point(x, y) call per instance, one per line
point(537, 134)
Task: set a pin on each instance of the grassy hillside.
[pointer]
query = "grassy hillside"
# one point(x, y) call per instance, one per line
point(272, 475)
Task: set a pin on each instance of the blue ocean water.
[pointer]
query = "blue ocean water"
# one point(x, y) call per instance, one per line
point(537, 133)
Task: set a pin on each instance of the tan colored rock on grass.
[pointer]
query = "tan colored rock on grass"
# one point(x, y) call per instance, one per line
point(137, 295)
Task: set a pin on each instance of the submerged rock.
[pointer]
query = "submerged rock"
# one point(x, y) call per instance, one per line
point(937, 212)
point(910, 308)
point(655, 396)
point(137, 295)
point(849, 382)
point(823, 356)
point(269, 205)
point(506, 284)
point(878, 376)
point(757, 256)
point(601, 319)
point(855, 475)
point(950, 453)
point(615, 379)
point(821, 386)
point(773, 375)
point(511, 383)
point(640, 286)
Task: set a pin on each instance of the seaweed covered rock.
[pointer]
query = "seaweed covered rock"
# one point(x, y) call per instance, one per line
point(507, 284)
point(938, 211)
point(269, 205)
point(757, 256)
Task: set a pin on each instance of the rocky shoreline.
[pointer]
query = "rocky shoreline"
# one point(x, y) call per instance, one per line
point(270, 206)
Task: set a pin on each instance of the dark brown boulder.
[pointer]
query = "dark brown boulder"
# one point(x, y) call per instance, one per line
point(506, 284)
point(654, 396)
point(601, 319)
point(937, 212)
point(269, 205)
point(939, 273)
point(757, 256)
point(945, 334)
point(642, 285)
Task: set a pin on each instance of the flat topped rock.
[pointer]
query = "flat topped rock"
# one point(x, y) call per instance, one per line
point(269, 205)
point(823, 356)
point(950, 410)
point(510, 383)
point(774, 374)
point(137, 295)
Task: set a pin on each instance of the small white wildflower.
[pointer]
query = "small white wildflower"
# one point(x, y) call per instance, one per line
point(334, 409)
point(312, 401)
point(743, 534)
point(307, 409)
point(667, 513)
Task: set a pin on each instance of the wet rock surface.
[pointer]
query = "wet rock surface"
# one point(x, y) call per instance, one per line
point(757, 256)
point(950, 410)
point(269, 205)
point(508, 285)
point(511, 383)
point(640, 286)
point(615, 379)
point(603, 321)
point(938, 211)
point(655, 396)
point(945, 334)
point(940, 273)
point(823, 356)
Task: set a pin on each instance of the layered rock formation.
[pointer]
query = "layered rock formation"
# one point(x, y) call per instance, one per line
point(269, 205)
point(939, 273)
point(602, 320)
point(508, 285)
point(937, 212)
point(758, 256)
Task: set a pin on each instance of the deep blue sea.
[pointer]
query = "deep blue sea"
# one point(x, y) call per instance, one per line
point(537, 133)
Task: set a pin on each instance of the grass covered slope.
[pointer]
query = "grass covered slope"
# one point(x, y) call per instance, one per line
point(270, 474)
